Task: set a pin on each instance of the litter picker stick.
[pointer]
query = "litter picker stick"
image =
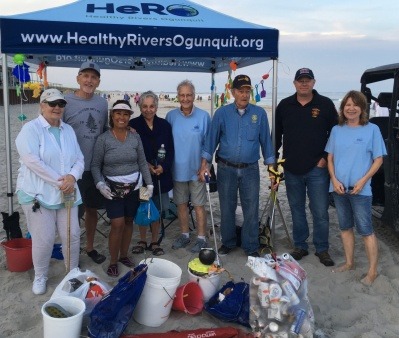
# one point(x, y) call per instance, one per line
point(69, 200)
point(160, 206)
point(212, 221)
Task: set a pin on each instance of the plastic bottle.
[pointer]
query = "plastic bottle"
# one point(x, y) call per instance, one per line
point(161, 154)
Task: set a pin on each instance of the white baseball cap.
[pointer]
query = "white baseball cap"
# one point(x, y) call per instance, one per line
point(50, 95)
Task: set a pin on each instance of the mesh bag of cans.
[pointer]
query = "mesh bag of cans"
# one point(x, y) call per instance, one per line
point(279, 305)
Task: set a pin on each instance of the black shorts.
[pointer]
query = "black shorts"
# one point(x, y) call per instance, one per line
point(123, 207)
point(91, 196)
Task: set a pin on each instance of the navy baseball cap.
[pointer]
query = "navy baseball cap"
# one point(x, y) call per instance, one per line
point(242, 81)
point(304, 72)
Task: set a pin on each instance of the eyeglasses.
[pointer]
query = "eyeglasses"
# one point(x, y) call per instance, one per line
point(60, 104)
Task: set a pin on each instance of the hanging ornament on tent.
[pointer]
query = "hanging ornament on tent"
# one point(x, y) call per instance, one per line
point(263, 92)
point(19, 59)
point(233, 65)
point(257, 96)
point(22, 117)
point(42, 73)
point(252, 96)
point(265, 76)
point(213, 85)
point(21, 72)
point(35, 87)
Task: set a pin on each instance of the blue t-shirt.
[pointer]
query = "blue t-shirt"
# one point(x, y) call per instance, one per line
point(354, 150)
point(188, 136)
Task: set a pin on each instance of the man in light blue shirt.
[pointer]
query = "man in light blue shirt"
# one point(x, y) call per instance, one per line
point(241, 130)
point(189, 127)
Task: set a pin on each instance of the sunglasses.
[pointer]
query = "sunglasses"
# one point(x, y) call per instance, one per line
point(60, 104)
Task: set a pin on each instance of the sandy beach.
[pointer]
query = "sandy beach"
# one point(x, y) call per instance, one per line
point(342, 306)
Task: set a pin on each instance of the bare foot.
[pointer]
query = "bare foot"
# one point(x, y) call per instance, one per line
point(369, 279)
point(343, 268)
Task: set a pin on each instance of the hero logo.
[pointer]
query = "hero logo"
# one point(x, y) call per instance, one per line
point(145, 8)
point(207, 334)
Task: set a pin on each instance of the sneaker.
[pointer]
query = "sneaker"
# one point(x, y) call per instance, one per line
point(298, 253)
point(325, 258)
point(254, 254)
point(199, 244)
point(181, 242)
point(39, 285)
point(224, 250)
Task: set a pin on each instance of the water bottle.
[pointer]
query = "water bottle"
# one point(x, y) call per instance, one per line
point(161, 154)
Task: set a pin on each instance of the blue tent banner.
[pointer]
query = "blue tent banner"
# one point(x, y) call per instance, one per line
point(144, 36)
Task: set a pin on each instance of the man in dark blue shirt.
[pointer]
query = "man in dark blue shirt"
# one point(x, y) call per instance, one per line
point(240, 130)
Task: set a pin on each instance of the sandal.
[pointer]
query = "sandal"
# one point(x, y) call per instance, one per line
point(139, 249)
point(127, 262)
point(95, 256)
point(113, 270)
point(156, 251)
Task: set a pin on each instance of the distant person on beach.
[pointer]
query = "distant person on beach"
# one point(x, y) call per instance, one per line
point(136, 99)
point(119, 168)
point(239, 131)
point(51, 163)
point(189, 127)
point(154, 132)
point(355, 153)
point(87, 114)
point(303, 124)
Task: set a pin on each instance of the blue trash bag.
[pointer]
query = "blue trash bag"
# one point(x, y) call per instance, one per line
point(112, 313)
point(234, 308)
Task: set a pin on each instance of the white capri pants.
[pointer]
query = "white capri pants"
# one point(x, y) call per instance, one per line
point(43, 226)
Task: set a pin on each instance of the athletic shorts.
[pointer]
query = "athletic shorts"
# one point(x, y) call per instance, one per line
point(193, 191)
point(91, 196)
point(124, 207)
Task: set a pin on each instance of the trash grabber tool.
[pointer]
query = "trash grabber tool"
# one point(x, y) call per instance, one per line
point(68, 200)
point(207, 180)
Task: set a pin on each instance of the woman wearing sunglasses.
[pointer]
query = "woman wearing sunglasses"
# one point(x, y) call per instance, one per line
point(51, 163)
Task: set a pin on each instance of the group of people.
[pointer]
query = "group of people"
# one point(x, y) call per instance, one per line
point(76, 146)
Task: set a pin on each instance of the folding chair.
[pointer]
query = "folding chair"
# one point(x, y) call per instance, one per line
point(101, 216)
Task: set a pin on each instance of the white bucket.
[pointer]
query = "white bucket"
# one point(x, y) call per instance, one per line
point(155, 303)
point(69, 327)
point(208, 284)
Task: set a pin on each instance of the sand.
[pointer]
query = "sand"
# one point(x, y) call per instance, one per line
point(343, 307)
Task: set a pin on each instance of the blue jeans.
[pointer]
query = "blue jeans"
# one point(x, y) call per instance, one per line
point(246, 181)
point(354, 210)
point(315, 183)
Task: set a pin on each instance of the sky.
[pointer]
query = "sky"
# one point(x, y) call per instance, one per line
point(337, 39)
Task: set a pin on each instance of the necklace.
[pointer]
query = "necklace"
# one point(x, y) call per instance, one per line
point(113, 132)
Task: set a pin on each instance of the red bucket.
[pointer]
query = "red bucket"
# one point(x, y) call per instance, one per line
point(189, 299)
point(19, 254)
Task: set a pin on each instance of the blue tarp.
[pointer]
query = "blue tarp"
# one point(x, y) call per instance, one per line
point(122, 34)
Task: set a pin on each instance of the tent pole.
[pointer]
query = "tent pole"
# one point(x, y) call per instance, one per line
point(213, 94)
point(7, 133)
point(274, 104)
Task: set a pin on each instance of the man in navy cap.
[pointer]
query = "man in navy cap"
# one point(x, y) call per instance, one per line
point(239, 130)
point(87, 113)
point(304, 121)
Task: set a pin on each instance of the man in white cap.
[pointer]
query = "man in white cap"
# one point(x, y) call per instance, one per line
point(87, 113)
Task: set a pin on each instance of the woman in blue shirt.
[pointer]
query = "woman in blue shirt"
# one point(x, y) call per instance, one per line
point(355, 150)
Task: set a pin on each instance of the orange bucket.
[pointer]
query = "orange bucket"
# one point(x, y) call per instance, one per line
point(19, 254)
point(189, 299)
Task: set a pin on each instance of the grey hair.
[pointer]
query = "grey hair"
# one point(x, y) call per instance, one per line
point(187, 83)
point(146, 94)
